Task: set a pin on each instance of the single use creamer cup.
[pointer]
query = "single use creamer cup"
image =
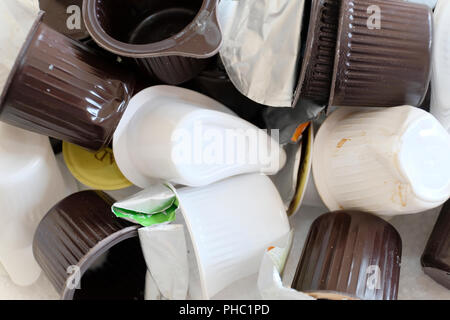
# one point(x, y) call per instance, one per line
point(230, 222)
point(170, 40)
point(181, 136)
point(30, 184)
point(384, 161)
point(440, 80)
point(61, 88)
point(87, 253)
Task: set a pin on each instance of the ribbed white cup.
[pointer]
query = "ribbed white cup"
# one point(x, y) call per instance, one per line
point(30, 184)
point(387, 161)
point(440, 79)
point(231, 224)
point(177, 135)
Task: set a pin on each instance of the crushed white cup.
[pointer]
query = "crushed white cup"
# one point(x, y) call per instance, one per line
point(440, 78)
point(231, 223)
point(178, 135)
point(30, 184)
point(387, 161)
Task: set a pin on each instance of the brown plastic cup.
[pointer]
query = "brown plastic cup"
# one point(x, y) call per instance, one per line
point(436, 256)
point(65, 17)
point(80, 243)
point(350, 255)
point(170, 39)
point(317, 66)
point(386, 64)
point(60, 88)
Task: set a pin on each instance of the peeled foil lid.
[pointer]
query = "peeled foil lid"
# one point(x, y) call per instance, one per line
point(16, 19)
point(261, 47)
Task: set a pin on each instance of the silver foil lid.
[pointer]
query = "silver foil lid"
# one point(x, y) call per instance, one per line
point(261, 47)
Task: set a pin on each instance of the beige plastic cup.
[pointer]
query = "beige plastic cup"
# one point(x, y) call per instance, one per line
point(387, 161)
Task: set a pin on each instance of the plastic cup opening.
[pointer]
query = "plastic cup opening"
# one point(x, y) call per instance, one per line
point(145, 22)
point(111, 276)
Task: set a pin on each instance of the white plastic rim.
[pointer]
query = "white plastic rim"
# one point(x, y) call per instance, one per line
point(30, 184)
point(231, 224)
point(440, 79)
point(149, 142)
point(387, 161)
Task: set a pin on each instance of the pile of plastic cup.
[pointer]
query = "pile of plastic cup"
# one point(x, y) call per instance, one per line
point(181, 100)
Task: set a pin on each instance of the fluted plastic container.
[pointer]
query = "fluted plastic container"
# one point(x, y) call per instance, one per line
point(231, 223)
point(440, 80)
point(317, 66)
point(89, 254)
point(30, 184)
point(60, 88)
point(383, 54)
point(384, 161)
point(174, 134)
point(350, 255)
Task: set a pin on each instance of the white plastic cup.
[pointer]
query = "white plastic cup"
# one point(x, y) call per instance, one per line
point(30, 184)
point(440, 79)
point(178, 135)
point(387, 161)
point(231, 224)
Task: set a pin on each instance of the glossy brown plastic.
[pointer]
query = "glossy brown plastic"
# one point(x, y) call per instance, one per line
point(350, 255)
point(64, 16)
point(436, 256)
point(170, 39)
point(382, 65)
point(317, 66)
point(60, 88)
point(81, 239)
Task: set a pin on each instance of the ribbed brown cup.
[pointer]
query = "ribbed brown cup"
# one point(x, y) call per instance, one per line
point(317, 66)
point(436, 256)
point(62, 89)
point(76, 232)
point(382, 67)
point(171, 40)
point(60, 20)
point(342, 255)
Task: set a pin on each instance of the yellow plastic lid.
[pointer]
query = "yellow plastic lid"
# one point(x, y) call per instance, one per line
point(97, 170)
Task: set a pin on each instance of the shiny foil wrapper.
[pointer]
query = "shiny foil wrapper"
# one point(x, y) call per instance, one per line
point(261, 47)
